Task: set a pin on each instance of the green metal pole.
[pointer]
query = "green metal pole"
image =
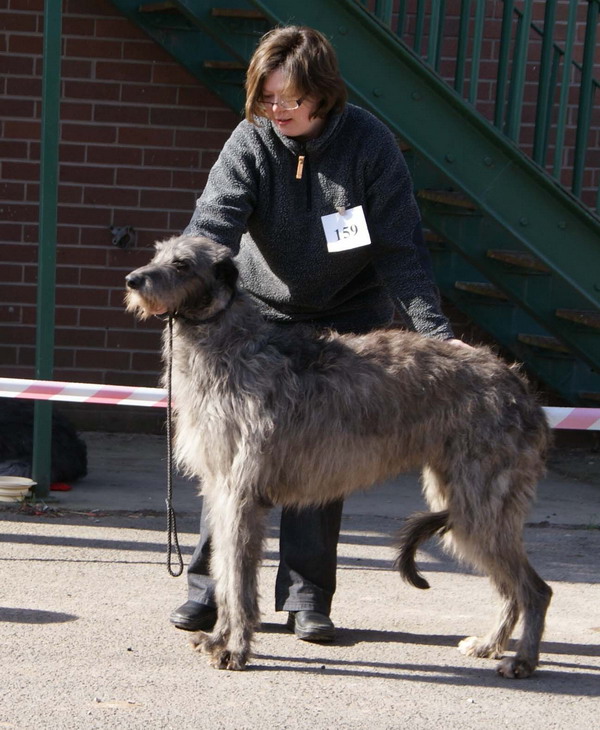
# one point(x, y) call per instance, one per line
point(545, 88)
point(434, 31)
point(586, 98)
point(463, 40)
point(44, 352)
point(401, 18)
point(565, 86)
point(476, 56)
point(515, 97)
point(383, 11)
point(419, 27)
point(503, 63)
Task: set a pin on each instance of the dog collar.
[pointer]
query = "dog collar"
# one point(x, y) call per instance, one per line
point(193, 321)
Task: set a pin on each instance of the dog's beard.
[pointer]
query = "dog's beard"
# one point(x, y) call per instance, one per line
point(143, 307)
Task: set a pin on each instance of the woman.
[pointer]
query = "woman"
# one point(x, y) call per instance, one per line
point(314, 198)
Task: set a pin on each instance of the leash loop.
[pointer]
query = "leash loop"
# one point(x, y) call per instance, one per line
point(172, 539)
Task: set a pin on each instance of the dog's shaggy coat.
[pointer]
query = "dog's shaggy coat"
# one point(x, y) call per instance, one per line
point(289, 416)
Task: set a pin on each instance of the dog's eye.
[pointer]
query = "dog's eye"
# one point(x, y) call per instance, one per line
point(181, 265)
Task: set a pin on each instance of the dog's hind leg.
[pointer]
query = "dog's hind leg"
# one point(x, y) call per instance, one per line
point(493, 644)
point(533, 598)
point(524, 594)
point(237, 525)
point(486, 512)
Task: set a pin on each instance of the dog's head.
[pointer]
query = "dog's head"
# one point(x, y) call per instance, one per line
point(192, 277)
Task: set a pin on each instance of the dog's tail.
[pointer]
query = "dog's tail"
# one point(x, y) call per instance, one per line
point(418, 527)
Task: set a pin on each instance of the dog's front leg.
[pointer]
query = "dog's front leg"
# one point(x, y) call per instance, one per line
point(237, 525)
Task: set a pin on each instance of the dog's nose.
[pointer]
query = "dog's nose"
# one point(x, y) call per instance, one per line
point(134, 281)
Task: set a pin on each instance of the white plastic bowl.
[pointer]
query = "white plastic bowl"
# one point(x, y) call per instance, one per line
point(15, 489)
point(15, 482)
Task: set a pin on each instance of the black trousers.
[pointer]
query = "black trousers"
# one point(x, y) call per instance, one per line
point(307, 560)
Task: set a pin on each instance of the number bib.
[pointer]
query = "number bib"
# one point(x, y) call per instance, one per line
point(346, 230)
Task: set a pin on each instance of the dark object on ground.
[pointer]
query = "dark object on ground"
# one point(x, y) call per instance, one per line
point(69, 452)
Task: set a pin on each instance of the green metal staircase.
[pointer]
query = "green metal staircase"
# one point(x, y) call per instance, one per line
point(512, 247)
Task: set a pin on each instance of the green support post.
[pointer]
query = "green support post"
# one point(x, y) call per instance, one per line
point(463, 41)
point(44, 352)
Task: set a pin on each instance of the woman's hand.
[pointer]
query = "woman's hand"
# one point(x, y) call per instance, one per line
point(459, 343)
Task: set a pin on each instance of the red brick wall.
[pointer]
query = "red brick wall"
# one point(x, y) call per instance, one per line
point(138, 135)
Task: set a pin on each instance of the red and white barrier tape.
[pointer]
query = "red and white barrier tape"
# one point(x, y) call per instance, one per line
point(580, 419)
point(120, 395)
point(577, 419)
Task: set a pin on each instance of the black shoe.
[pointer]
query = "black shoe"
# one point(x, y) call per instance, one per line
point(194, 616)
point(311, 626)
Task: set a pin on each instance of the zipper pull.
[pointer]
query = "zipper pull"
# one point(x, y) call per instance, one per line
point(300, 167)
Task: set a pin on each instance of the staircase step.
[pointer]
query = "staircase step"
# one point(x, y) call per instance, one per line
point(447, 197)
point(482, 288)
point(431, 237)
point(543, 341)
point(590, 318)
point(227, 65)
point(237, 13)
point(435, 242)
point(518, 258)
point(157, 7)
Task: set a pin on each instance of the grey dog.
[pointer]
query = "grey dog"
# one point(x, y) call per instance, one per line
point(270, 415)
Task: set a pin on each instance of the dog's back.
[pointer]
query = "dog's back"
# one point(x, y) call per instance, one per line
point(394, 401)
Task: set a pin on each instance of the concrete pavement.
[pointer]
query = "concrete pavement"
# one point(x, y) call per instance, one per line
point(86, 641)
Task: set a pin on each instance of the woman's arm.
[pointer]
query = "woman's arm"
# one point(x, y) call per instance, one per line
point(229, 198)
point(400, 258)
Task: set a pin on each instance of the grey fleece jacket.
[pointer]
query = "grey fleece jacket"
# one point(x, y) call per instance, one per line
point(271, 221)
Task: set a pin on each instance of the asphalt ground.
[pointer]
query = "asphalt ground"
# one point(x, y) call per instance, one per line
point(86, 641)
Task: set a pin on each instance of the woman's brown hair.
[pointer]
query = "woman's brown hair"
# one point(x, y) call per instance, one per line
point(309, 64)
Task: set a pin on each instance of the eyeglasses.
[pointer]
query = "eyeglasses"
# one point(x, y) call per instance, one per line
point(289, 105)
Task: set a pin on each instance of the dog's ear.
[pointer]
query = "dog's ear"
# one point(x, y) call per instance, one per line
point(226, 271)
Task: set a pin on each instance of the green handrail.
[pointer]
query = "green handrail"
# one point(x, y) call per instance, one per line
point(422, 25)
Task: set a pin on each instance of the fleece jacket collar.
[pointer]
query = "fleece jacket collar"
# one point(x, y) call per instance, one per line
point(310, 146)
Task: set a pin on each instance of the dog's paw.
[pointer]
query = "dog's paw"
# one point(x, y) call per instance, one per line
point(198, 640)
point(515, 668)
point(225, 659)
point(474, 646)
point(208, 643)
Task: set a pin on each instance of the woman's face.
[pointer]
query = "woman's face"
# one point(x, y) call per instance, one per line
point(292, 123)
